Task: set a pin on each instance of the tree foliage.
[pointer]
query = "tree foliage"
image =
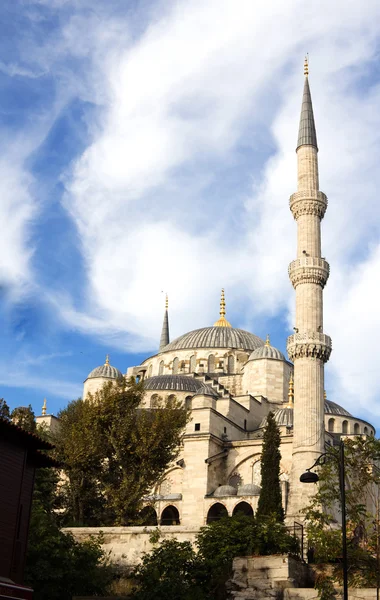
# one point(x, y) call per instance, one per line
point(24, 417)
point(270, 500)
point(174, 571)
point(323, 515)
point(114, 451)
point(5, 413)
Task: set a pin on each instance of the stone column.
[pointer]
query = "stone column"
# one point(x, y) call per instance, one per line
point(309, 348)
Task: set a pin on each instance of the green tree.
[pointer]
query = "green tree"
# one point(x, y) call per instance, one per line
point(323, 515)
point(24, 417)
point(270, 500)
point(114, 451)
point(4, 410)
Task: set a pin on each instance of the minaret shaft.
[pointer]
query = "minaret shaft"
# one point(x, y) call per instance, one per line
point(309, 348)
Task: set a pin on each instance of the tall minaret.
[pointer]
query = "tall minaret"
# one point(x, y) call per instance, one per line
point(309, 348)
point(164, 341)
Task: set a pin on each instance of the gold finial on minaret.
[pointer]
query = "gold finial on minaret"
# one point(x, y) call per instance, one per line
point(44, 408)
point(306, 66)
point(267, 341)
point(291, 392)
point(166, 302)
point(325, 395)
point(107, 359)
point(222, 322)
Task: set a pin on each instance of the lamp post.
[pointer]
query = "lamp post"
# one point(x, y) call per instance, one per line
point(310, 477)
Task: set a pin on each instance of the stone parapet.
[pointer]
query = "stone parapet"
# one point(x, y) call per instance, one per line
point(311, 344)
point(308, 202)
point(309, 270)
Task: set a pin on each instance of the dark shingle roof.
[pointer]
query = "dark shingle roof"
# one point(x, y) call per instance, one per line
point(307, 135)
point(178, 383)
point(216, 337)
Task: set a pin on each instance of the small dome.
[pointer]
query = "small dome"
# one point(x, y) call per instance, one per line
point(106, 371)
point(282, 416)
point(178, 383)
point(225, 490)
point(267, 351)
point(249, 489)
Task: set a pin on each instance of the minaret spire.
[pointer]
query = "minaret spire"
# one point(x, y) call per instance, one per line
point(164, 341)
point(309, 348)
point(222, 321)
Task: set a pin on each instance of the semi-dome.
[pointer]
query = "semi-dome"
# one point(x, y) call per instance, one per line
point(216, 337)
point(178, 383)
point(106, 370)
point(249, 489)
point(267, 351)
point(331, 408)
point(284, 416)
point(225, 490)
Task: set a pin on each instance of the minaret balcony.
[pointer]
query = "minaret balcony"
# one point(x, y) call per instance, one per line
point(309, 344)
point(308, 202)
point(309, 269)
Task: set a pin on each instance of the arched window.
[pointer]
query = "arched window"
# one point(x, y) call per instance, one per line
point(148, 516)
point(150, 370)
point(170, 516)
point(366, 430)
point(231, 364)
point(235, 480)
point(216, 512)
point(172, 397)
point(154, 401)
point(175, 366)
point(188, 402)
point(192, 364)
point(182, 367)
point(211, 364)
point(331, 425)
point(345, 427)
point(161, 368)
point(356, 428)
point(243, 508)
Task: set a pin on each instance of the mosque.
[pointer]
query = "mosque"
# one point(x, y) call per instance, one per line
point(231, 379)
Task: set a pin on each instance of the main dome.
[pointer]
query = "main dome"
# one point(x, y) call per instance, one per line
point(216, 337)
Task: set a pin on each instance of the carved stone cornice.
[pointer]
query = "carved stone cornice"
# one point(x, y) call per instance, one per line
point(309, 344)
point(308, 202)
point(309, 270)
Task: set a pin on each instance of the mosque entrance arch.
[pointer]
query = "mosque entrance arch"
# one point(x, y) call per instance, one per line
point(217, 511)
point(170, 516)
point(243, 508)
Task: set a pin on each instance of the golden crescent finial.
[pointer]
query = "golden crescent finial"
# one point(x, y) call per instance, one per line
point(44, 408)
point(306, 66)
point(222, 321)
point(324, 395)
point(267, 341)
point(107, 359)
point(166, 302)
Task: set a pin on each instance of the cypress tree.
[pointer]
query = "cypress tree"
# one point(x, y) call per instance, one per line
point(270, 501)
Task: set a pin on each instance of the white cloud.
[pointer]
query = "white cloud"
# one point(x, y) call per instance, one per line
point(205, 83)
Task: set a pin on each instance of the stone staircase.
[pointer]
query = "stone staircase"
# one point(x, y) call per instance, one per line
point(214, 383)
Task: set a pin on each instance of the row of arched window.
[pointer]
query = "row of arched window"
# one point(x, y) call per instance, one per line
point(345, 428)
point(183, 367)
point(170, 514)
point(154, 400)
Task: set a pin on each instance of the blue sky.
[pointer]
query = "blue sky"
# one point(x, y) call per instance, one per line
point(149, 146)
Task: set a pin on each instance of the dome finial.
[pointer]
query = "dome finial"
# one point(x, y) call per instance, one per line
point(44, 408)
point(107, 359)
point(166, 302)
point(267, 341)
point(291, 392)
point(324, 395)
point(222, 321)
point(306, 65)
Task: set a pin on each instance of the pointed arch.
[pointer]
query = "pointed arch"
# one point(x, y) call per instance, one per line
point(231, 364)
point(161, 368)
point(192, 364)
point(170, 516)
point(216, 512)
point(175, 365)
point(211, 364)
point(243, 508)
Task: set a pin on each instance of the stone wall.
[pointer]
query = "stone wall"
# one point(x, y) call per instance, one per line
point(127, 544)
